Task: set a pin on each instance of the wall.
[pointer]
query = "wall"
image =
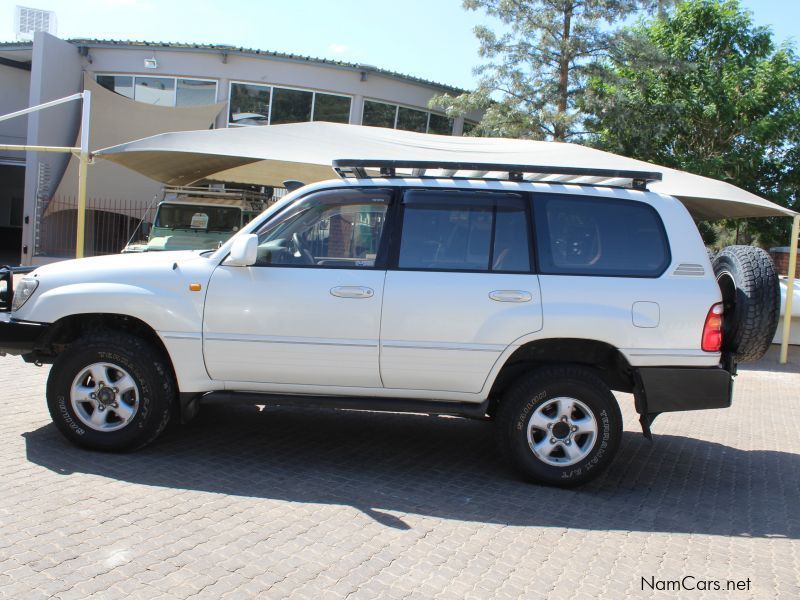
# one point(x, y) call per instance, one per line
point(55, 73)
point(14, 85)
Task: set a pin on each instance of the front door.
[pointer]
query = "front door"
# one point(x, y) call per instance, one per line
point(308, 312)
point(462, 290)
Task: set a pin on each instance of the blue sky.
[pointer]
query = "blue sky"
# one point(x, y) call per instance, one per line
point(426, 38)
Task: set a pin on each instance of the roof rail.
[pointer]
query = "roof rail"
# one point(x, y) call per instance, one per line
point(358, 168)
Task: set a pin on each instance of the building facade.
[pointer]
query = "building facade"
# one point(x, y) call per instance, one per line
point(142, 89)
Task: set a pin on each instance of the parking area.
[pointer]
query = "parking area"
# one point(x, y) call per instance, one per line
point(308, 504)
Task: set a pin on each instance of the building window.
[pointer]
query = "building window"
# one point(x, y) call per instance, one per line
point(252, 104)
point(379, 114)
point(162, 91)
point(290, 106)
point(155, 90)
point(335, 109)
point(121, 84)
point(469, 127)
point(382, 114)
point(412, 120)
point(195, 92)
point(249, 104)
point(440, 124)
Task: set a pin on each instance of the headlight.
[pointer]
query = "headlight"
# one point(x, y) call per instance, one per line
point(24, 291)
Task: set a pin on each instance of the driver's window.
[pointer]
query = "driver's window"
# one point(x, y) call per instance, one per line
point(337, 228)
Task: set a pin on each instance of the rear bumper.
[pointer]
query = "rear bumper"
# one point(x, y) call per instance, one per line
point(671, 389)
point(19, 337)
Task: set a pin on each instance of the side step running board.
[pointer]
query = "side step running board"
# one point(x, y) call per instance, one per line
point(190, 404)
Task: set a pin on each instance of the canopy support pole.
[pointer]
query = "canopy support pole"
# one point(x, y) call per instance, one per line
point(787, 310)
point(82, 151)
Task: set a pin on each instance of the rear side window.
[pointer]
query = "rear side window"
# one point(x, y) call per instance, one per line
point(464, 231)
point(599, 236)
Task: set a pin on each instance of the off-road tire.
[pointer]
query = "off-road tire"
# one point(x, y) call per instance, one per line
point(536, 389)
point(749, 283)
point(148, 367)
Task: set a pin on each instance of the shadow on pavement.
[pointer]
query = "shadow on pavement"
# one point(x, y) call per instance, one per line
point(448, 468)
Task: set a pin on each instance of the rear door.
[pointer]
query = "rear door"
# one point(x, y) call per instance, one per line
point(461, 289)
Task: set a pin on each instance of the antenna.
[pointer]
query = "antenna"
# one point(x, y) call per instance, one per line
point(28, 21)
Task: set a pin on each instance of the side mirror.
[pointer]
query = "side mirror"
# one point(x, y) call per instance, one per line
point(145, 229)
point(244, 251)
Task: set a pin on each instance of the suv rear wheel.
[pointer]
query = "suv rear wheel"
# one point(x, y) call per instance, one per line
point(110, 391)
point(559, 425)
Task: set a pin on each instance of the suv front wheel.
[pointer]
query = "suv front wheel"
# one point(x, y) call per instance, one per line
point(559, 425)
point(110, 391)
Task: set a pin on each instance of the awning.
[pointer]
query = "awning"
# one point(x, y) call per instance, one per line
point(271, 154)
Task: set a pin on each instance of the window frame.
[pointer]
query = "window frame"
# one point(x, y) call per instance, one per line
point(174, 78)
point(543, 235)
point(271, 87)
point(524, 197)
point(381, 257)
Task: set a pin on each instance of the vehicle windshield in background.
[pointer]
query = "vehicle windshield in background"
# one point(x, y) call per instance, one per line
point(203, 218)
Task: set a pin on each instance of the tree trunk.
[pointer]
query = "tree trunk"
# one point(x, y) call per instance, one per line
point(559, 130)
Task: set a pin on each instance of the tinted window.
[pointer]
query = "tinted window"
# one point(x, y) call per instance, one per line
point(249, 104)
point(335, 109)
point(290, 106)
point(440, 124)
point(378, 114)
point(599, 236)
point(327, 229)
point(412, 120)
point(454, 231)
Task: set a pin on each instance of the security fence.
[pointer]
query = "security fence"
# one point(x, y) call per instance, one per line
point(110, 223)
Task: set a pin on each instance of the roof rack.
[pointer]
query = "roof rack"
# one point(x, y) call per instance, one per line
point(350, 167)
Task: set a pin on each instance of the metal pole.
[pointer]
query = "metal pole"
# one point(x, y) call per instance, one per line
point(25, 148)
point(787, 310)
point(26, 111)
point(83, 163)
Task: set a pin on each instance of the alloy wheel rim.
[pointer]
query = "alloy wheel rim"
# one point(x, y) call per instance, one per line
point(562, 431)
point(104, 397)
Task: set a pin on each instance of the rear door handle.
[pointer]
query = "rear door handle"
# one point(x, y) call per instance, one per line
point(352, 291)
point(510, 296)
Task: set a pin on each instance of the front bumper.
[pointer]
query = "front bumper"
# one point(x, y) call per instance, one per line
point(19, 337)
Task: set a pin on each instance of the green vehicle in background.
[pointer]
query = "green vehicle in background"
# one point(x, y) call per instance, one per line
point(194, 218)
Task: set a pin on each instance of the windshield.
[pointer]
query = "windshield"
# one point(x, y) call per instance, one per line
point(203, 218)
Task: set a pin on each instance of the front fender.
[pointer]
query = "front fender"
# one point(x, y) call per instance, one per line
point(163, 308)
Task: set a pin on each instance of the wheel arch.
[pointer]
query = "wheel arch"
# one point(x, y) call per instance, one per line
point(67, 329)
point(605, 360)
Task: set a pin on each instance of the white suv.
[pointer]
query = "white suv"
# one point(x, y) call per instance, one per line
point(517, 301)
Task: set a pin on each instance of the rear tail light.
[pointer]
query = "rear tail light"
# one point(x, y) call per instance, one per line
point(712, 330)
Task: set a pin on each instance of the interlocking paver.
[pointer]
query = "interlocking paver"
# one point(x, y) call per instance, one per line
point(323, 504)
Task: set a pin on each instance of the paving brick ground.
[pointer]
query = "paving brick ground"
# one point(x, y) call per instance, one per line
point(320, 504)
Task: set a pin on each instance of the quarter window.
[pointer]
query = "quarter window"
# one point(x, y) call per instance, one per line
point(462, 231)
point(599, 236)
point(327, 229)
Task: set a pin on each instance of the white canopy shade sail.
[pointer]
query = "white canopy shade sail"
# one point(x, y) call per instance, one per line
point(305, 151)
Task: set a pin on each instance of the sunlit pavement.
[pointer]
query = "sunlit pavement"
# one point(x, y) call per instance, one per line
point(310, 504)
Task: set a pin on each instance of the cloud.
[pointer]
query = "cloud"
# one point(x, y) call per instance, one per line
point(338, 48)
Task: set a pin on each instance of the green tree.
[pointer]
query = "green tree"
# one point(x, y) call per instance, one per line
point(538, 65)
point(716, 98)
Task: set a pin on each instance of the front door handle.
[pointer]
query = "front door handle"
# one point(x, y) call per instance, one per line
point(510, 296)
point(352, 291)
